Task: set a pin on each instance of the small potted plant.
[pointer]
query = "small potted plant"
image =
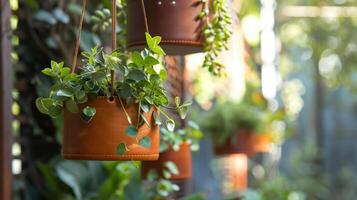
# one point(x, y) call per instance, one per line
point(237, 128)
point(186, 27)
point(175, 148)
point(108, 118)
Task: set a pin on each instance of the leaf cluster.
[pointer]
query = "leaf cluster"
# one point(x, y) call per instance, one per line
point(190, 135)
point(226, 118)
point(216, 33)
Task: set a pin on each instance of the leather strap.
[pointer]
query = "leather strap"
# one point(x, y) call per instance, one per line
point(145, 16)
point(78, 39)
point(114, 39)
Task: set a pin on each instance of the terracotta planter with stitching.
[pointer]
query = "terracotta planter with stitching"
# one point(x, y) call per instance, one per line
point(245, 141)
point(181, 158)
point(176, 23)
point(98, 139)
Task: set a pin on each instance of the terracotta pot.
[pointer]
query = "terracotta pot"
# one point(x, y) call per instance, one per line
point(246, 142)
point(233, 173)
point(176, 23)
point(181, 158)
point(98, 139)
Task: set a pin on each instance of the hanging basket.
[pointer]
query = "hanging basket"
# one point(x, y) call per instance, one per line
point(245, 141)
point(98, 139)
point(175, 21)
point(181, 158)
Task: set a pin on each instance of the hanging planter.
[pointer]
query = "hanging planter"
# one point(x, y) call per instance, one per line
point(175, 153)
point(175, 21)
point(176, 163)
point(239, 128)
point(186, 27)
point(101, 139)
point(112, 106)
point(245, 141)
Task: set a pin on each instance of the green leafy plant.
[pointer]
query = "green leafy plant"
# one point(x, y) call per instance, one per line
point(226, 118)
point(191, 135)
point(216, 32)
point(140, 77)
point(161, 188)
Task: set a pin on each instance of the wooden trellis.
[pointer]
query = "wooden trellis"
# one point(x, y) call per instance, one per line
point(5, 101)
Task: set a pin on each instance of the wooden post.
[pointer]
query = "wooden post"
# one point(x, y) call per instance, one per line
point(5, 101)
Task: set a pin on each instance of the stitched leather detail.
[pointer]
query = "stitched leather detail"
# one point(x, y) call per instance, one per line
point(182, 42)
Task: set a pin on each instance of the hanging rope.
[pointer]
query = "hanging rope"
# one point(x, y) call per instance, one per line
point(78, 39)
point(114, 40)
point(145, 16)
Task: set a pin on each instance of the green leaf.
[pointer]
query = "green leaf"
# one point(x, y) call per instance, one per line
point(177, 101)
point(137, 75)
point(47, 71)
point(171, 166)
point(131, 131)
point(138, 59)
point(156, 118)
point(163, 74)
point(125, 90)
point(40, 106)
point(64, 93)
point(72, 106)
point(145, 142)
point(45, 16)
point(151, 61)
point(121, 149)
point(81, 96)
point(157, 39)
point(183, 111)
point(65, 71)
point(145, 108)
point(170, 125)
point(166, 174)
point(88, 113)
point(149, 40)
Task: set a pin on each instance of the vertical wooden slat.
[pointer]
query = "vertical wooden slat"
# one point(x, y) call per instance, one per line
point(5, 101)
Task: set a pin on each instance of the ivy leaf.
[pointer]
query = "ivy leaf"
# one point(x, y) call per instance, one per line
point(131, 131)
point(153, 44)
point(41, 106)
point(47, 71)
point(156, 118)
point(138, 59)
point(183, 111)
point(72, 106)
point(88, 114)
point(145, 108)
point(151, 61)
point(125, 91)
point(137, 75)
point(64, 93)
point(121, 149)
point(145, 142)
point(166, 174)
point(170, 125)
point(171, 166)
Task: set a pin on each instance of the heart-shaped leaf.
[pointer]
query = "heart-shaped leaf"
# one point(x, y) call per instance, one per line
point(145, 142)
point(170, 125)
point(121, 149)
point(137, 75)
point(131, 131)
point(72, 106)
point(171, 166)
